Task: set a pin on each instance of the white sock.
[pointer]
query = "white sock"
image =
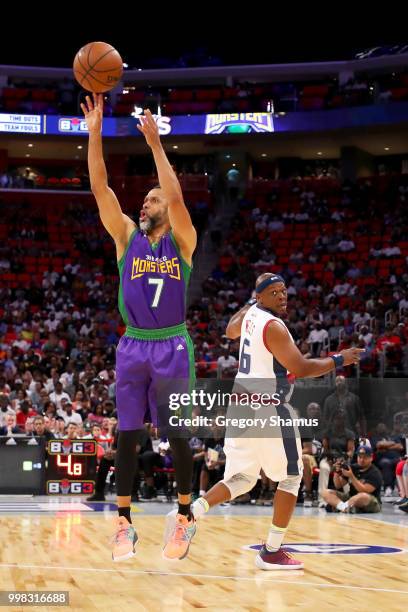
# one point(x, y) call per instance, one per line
point(342, 506)
point(275, 538)
point(200, 507)
point(202, 492)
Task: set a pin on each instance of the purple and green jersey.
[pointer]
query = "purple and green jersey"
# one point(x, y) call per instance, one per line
point(155, 356)
point(153, 283)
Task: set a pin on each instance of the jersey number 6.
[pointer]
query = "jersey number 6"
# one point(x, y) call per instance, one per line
point(245, 359)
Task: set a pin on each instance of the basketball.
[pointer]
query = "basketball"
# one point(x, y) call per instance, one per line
point(98, 67)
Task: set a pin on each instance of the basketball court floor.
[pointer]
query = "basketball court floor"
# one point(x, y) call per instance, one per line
point(351, 562)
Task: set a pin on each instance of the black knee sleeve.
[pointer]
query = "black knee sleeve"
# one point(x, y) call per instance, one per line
point(125, 461)
point(183, 464)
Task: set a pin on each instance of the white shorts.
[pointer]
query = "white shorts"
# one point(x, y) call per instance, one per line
point(249, 455)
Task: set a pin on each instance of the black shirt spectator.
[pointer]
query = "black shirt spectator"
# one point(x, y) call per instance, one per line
point(370, 476)
point(388, 451)
point(349, 402)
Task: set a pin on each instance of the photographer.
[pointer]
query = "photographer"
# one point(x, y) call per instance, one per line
point(363, 480)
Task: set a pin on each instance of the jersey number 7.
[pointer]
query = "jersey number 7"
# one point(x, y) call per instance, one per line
point(159, 282)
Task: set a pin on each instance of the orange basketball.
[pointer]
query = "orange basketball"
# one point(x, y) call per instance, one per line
point(98, 67)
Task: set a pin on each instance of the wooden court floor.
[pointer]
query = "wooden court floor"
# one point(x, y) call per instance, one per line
point(71, 551)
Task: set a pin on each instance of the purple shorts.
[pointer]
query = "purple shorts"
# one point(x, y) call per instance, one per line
point(147, 372)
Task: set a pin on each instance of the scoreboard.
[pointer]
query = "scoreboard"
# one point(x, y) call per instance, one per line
point(28, 465)
point(71, 467)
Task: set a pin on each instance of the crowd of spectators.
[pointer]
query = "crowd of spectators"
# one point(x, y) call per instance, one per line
point(345, 269)
point(63, 97)
point(58, 333)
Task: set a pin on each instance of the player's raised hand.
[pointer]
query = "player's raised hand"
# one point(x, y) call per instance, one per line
point(149, 129)
point(93, 111)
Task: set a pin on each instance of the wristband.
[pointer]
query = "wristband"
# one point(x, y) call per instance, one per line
point(338, 360)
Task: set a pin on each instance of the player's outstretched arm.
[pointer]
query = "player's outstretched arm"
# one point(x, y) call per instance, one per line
point(111, 214)
point(180, 220)
point(280, 344)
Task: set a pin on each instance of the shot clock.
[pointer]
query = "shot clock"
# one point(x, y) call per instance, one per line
point(71, 468)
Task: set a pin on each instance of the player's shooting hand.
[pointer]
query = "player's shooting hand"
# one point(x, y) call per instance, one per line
point(93, 112)
point(149, 129)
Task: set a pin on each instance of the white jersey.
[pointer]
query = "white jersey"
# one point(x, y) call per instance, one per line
point(276, 450)
point(261, 362)
point(256, 361)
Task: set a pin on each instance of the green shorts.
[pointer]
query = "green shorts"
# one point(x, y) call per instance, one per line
point(373, 506)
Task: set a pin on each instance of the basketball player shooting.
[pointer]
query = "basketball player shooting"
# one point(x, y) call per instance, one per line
point(154, 260)
point(268, 352)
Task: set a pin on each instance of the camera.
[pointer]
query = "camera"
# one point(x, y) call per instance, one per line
point(341, 464)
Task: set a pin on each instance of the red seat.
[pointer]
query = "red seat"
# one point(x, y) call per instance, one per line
point(14, 93)
point(43, 95)
point(177, 108)
point(311, 103)
point(11, 105)
point(123, 109)
point(181, 95)
point(315, 90)
point(399, 93)
point(243, 105)
point(208, 94)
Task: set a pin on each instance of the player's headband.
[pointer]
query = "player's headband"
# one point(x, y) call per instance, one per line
point(269, 281)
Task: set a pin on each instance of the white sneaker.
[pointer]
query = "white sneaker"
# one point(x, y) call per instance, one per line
point(308, 501)
point(170, 523)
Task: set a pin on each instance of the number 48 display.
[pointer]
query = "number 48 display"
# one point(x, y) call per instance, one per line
point(73, 469)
